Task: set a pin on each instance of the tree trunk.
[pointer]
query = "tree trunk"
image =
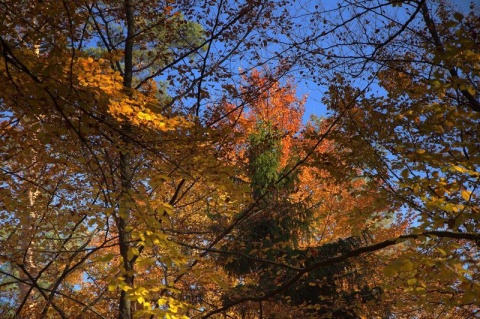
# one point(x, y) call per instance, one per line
point(125, 304)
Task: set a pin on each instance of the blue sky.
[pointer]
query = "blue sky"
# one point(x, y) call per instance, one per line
point(315, 93)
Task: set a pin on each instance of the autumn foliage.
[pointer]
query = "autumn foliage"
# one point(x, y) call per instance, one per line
point(157, 161)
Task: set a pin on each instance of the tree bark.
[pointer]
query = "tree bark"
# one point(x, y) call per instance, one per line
point(125, 304)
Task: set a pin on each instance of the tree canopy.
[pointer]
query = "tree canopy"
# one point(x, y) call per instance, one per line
point(157, 162)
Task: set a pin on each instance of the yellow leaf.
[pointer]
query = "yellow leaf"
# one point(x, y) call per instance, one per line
point(411, 281)
point(130, 254)
point(471, 90)
point(469, 297)
point(458, 16)
point(466, 195)
point(105, 258)
point(144, 116)
point(458, 169)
